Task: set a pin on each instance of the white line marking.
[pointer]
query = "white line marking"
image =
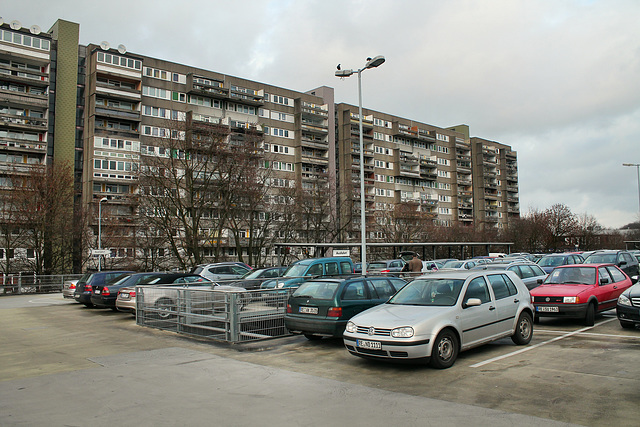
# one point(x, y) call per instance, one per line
point(504, 356)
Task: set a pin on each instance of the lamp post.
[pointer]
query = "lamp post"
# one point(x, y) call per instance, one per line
point(371, 63)
point(104, 199)
point(637, 166)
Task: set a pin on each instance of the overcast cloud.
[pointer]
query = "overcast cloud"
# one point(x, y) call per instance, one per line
point(559, 81)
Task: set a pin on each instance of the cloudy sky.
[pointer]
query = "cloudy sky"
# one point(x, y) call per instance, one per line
point(557, 80)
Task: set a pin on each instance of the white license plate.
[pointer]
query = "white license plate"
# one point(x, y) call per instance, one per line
point(552, 309)
point(97, 291)
point(373, 345)
point(124, 296)
point(308, 310)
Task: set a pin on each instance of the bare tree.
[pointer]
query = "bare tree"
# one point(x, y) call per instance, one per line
point(588, 232)
point(561, 223)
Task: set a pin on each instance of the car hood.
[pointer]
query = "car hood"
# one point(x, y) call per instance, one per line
point(559, 290)
point(392, 315)
point(633, 291)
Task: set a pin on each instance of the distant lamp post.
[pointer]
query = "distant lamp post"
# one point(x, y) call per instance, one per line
point(104, 199)
point(371, 63)
point(637, 166)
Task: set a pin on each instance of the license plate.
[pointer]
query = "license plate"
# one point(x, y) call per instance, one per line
point(551, 309)
point(308, 310)
point(124, 296)
point(97, 292)
point(373, 345)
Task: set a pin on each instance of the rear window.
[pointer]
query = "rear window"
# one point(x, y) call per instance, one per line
point(317, 290)
point(375, 265)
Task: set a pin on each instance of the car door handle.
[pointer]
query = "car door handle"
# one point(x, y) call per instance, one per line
point(492, 308)
point(515, 301)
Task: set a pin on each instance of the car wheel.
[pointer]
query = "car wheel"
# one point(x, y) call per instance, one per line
point(524, 330)
point(164, 307)
point(626, 325)
point(445, 350)
point(312, 337)
point(88, 304)
point(590, 317)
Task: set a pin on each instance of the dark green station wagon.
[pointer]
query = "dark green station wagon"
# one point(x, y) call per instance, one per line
point(322, 307)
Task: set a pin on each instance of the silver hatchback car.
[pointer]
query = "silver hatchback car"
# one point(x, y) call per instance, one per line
point(436, 316)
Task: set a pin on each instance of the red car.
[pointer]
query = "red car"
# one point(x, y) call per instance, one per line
point(579, 291)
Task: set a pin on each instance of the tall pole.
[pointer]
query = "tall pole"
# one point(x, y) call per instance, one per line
point(100, 232)
point(363, 227)
point(637, 166)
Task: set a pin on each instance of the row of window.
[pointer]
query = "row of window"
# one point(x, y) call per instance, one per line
point(32, 90)
point(114, 165)
point(108, 58)
point(164, 75)
point(25, 40)
point(116, 144)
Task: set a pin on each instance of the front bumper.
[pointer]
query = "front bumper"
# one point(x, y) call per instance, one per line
point(564, 310)
point(628, 313)
point(390, 349)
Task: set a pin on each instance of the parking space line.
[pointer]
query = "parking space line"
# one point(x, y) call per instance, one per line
point(523, 350)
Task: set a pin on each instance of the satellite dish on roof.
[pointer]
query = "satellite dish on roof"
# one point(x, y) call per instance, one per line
point(122, 49)
point(35, 30)
point(105, 45)
point(15, 25)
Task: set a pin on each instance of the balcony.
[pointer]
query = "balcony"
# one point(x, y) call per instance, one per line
point(314, 127)
point(23, 145)
point(318, 144)
point(206, 87)
point(24, 76)
point(314, 159)
point(118, 92)
point(313, 110)
point(23, 99)
point(116, 113)
point(24, 123)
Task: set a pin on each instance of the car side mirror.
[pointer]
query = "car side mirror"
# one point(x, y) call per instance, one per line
point(604, 282)
point(472, 302)
point(540, 281)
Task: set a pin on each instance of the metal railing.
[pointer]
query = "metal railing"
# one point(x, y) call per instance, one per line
point(23, 283)
point(224, 315)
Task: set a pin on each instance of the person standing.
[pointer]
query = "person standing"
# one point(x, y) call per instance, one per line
point(415, 265)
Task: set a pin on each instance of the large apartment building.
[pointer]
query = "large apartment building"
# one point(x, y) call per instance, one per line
point(106, 109)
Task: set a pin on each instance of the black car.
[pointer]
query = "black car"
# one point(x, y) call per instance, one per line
point(254, 278)
point(628, 307)
point(623, 259)
point(84, 287)
point(105, 295)
point(322, 307)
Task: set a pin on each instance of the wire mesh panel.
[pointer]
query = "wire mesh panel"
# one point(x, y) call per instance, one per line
point(225, 315)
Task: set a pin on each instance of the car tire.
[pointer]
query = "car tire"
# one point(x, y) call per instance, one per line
point(445, 350)
point(626, 325)
point(536, 319)
point(114, 309)
point(88, 304)
point(312, 337)
point(163, 305)
point(590, 316)
point(524, 330)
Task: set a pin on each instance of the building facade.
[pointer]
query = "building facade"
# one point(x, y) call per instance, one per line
point(107, 110)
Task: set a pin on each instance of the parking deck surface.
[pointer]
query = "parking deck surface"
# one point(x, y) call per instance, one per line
point(64, 364)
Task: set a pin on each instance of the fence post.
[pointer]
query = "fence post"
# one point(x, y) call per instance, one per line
point(19, 283)
point(234, 327)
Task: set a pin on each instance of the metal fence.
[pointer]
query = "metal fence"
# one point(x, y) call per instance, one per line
point(24, 283)
point(224, 315)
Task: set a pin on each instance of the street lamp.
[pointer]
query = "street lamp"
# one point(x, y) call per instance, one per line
point(104, 199)
point(637, 166)
point(371, 63)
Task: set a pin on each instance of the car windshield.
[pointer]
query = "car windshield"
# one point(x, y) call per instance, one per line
point(296, 270)
point(253, 274)
point(431, 292)
point(377, 265)
point(551, 261)
point(601, 258)
point(572, 275)
point(452, 264)
point(133, 279)
point(316, 290)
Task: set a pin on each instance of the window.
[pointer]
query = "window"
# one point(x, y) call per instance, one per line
point(617, 275)
point(354, 291)
point(477, 289)
point(499, 286)
point(382, 288)
point(605, 277)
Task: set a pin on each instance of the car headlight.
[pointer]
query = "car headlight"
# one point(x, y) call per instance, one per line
point(624, 300)
point(351, 327)
point(570, 300)
point(404, 332)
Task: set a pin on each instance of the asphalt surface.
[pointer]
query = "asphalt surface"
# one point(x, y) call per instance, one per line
point(64, 364)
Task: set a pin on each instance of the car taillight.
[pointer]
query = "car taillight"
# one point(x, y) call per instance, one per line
point(334, 312)
point(105, 291)
point(385, 271)
point(132, 294)
point(87, 288)
point(72, 286)
point(289, 310)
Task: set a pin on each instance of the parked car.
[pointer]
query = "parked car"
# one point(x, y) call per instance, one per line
point(84, 287)
point(221, 271)
point(623, 259)
point(357, 267)
point(530, 273)
point(126, 298)
point(549, 262)
point(105, 295)
point(69, 288)
point(386, 266)
point(322, 307)
point(254, 278)
point(579, 291)
point(303, 270)
point(628, 307)
point(436, 316)
point(460, 265)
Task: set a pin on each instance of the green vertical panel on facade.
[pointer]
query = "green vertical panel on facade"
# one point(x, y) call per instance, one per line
point(67, 34)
